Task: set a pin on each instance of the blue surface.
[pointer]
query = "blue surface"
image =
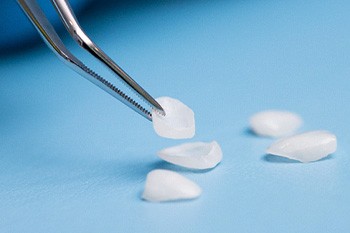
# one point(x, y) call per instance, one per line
point(15, 32)
point(73, 159)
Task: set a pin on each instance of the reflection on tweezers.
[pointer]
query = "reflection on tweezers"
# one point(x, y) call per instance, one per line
point(48, 33)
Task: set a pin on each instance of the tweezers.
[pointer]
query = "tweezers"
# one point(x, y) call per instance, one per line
point(48, 33)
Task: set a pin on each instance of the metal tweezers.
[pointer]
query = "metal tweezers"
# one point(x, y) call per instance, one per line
point(48, 33)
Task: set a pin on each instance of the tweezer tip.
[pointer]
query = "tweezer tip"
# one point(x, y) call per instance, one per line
point(158, 108)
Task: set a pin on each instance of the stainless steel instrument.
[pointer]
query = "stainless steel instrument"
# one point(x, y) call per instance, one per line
point(48, 33)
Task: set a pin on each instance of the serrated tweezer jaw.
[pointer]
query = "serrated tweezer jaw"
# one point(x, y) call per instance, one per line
point(48, 33)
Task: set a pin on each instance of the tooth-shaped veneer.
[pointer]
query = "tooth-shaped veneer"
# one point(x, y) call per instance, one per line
point(164, 185)
point(305, 147)
point(178, 122)
point(274, 123)
point(197, 155)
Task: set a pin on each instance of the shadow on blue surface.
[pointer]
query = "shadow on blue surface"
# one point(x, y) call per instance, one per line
point(24, 37)
point(11, 42)
point(168, 166)
point(248, 132)
point(16, 32)
point(278, 159)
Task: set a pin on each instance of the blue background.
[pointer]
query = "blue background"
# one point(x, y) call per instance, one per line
point(15, 31)
point(73, 159)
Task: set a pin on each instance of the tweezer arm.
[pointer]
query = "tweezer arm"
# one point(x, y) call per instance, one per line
point(67, 16)
point(48, 33)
